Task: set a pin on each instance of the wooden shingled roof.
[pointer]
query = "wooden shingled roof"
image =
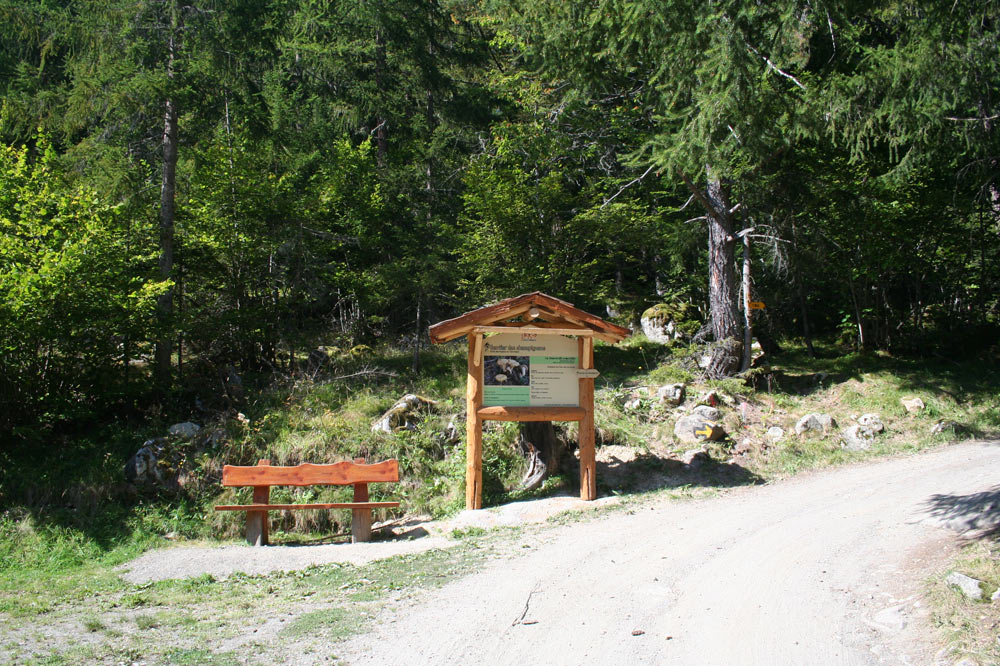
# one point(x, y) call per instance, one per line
point(529, 312)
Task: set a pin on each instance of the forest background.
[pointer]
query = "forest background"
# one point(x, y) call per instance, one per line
point(194, 189)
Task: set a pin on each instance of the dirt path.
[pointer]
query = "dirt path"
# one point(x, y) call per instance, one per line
point(823, 569)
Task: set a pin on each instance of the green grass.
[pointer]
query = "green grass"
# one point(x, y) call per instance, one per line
point(970, 626)
point(330, 623)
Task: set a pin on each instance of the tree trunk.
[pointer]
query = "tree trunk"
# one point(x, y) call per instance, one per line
point(722, 293)
point(165, 302)
point(543, 450)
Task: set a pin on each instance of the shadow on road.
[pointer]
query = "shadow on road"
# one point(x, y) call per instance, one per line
point(976, 515)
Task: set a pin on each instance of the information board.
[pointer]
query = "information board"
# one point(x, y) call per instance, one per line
point(530, 370)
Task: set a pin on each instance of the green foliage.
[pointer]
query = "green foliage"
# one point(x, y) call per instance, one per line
point(73, 292)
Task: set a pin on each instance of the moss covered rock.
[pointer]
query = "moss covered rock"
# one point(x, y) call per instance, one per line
point(669, 322)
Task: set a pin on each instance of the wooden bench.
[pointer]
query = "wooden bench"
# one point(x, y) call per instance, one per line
point(262, 476)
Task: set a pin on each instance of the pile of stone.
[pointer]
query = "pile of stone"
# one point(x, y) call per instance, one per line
point(163, 461)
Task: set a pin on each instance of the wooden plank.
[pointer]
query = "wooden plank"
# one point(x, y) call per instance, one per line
point(531, 413)
point(294, 507)
point(511, 307)
point(308, 474)
point(474, 426)
point(461, 325)
point(534, 329)
point(559, 321)
point(588, 453)
point(361, 517)
point(568, 311)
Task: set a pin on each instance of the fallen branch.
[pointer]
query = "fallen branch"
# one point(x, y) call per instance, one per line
point(527, 603)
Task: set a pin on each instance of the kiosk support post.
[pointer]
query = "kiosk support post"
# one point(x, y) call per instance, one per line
point(588, 463)
point(474, 425)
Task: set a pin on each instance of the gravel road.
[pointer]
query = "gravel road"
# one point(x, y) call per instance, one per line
point(824, 569)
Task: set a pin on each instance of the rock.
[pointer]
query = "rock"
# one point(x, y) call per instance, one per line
point(633, 403)
point(872, 422)
point(912, 405)
point(995, 596)
point(706, 412)
point(821, 422)
point(186, 430)
point(715, 398)
point(691, 429)
point(142, 467)
point(694, 458)
point(743, 447)
point(857, 437)
point(403, 415)
point(665, 323)
point(945, 426)
point(891, 618)
point(775, 434)
point(672, 394)
point(967, 584)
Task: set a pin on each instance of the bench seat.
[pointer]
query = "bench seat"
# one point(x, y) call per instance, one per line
point(263, 475)
point(293, 507)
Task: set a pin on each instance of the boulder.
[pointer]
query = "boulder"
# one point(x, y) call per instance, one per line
point(818, 422)
point(857, 438)
point(707, 412)
point(404, 415)
point(185, 431)
point(672, 394)
point(667, 322)
point(691, 429)
point(142, 467)
point(872, 422)
point(775, 434)
point(969, 586)
point(912, 404)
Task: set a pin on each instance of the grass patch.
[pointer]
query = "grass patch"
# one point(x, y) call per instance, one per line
point(194, 657)
point(970, 627)
point(331, 623)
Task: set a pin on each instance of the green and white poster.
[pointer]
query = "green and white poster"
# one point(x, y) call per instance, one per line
point(530, 370)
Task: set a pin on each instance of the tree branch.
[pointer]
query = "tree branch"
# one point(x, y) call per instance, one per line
point(700, 196)
point(626, 186)
point(776, 68)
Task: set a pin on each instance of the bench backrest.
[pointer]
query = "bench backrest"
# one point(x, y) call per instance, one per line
point(337, 474)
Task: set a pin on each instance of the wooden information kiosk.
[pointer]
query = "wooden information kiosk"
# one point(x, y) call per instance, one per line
point(524, 365)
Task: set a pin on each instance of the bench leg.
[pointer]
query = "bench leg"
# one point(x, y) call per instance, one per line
point(361, 519)
point(257, 528)
point(361, 525)
point(257, 523)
